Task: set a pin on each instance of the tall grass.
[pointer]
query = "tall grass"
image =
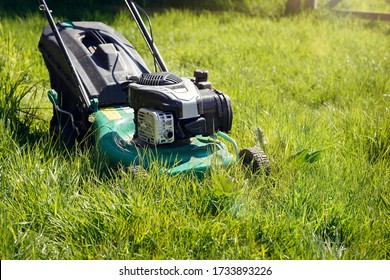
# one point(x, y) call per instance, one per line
point(318, 86)
point(18, 90)
point(274, 8)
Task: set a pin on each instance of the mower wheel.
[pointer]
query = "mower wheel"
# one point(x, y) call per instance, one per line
point(256, 159)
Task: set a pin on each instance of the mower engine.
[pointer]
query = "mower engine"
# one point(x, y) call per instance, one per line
point(169, 109)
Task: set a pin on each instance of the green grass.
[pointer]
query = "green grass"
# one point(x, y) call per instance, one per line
point(313, 82)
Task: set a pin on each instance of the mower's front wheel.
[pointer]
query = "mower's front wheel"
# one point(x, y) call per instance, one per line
point(255, 159)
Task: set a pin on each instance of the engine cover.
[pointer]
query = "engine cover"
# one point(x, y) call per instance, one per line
point(195, 111)
point(159, 91)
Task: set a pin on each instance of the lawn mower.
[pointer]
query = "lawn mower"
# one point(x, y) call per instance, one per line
point(102, 89)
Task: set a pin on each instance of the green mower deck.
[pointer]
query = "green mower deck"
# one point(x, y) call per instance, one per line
point(114, 128)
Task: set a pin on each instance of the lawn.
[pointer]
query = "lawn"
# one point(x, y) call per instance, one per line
point(316, 83)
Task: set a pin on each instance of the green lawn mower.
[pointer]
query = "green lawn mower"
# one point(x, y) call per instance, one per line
point(103, 90)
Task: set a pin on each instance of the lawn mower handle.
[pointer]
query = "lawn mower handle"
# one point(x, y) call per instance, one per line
point(80, 88)
point(149, 40)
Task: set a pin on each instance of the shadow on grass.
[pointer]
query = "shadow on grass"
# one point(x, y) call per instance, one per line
point(73, 10)
point(97, 9)
point(81, 10)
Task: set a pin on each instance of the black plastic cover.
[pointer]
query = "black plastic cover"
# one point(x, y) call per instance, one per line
point(103, 58)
